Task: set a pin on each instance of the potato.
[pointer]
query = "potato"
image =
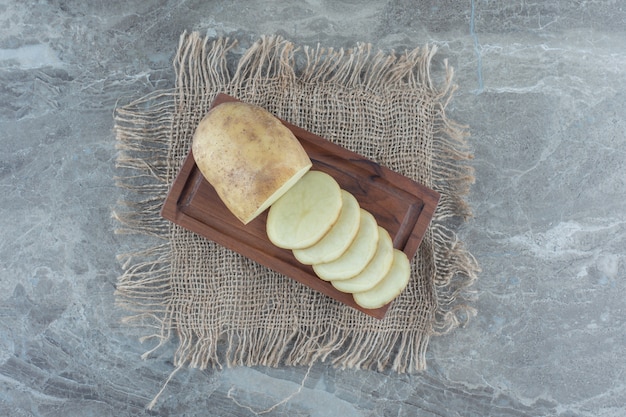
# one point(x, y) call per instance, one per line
point(391, 285)
point(248, 156)
point(305, 213)
point(358, 255)
point(375, 271)
point(338, 238)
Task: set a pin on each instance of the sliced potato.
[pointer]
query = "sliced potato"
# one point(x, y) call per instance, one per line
point(248, 156)
point(357, 256)
point(306, 212)
point(391, 285)
point(375, 271)
point(338, 238)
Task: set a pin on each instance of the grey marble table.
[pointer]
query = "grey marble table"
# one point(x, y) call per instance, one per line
point(542, 86)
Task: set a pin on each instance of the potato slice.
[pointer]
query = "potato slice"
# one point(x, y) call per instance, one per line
point(248, 156)
point(358, 255)
point(338, 238)
point(375, 271)
point(306, 212)
point(391, 285)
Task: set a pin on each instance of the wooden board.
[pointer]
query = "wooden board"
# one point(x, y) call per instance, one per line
point(399, 204)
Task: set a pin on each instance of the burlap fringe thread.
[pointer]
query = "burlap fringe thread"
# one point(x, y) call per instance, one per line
point(144, 129)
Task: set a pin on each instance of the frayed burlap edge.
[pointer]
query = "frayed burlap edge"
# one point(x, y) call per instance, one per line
point(144, 129)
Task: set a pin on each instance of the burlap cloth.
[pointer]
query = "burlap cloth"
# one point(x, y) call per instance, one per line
point(223, 309)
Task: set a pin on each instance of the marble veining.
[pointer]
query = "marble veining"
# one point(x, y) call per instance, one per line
point(542, 86)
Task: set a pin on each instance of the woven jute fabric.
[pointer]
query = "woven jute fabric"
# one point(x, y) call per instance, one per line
point(223, 309)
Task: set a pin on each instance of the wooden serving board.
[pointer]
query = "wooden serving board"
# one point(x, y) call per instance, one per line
point(399, 204)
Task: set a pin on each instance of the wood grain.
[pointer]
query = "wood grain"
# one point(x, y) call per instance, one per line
point(402, 206)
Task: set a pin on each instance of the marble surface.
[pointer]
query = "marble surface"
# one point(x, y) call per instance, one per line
point(543, 87)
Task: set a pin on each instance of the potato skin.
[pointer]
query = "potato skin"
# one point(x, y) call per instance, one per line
point(247, 155)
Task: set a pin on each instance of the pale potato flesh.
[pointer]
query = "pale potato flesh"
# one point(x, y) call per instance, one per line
point(338, 238)
point(391, 285)
point(248, 156)
point(305, 213)
point(280, 191)
point(375, 271)
point(357, 256)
